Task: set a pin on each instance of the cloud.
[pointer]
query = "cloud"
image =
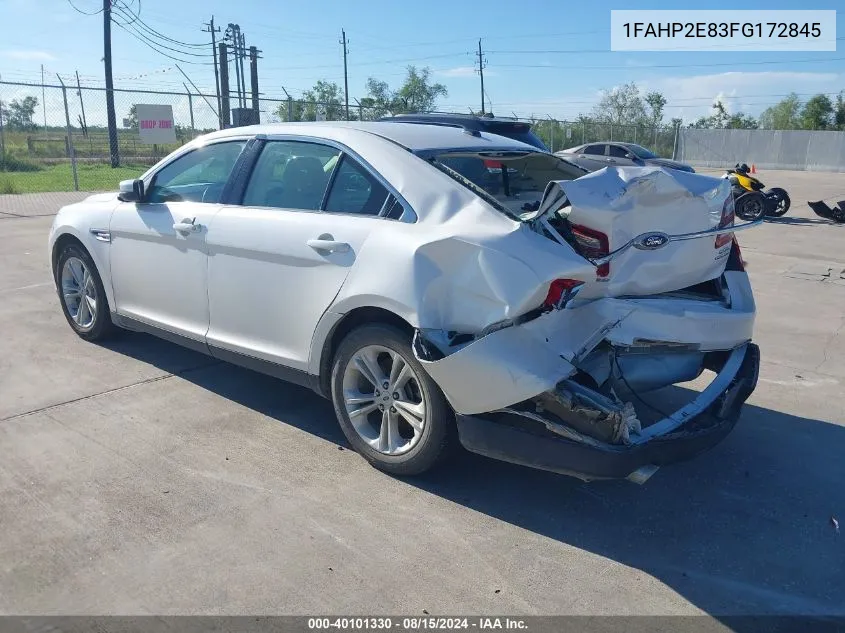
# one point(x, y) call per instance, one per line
point(463, 71)
point(751, 92)
point(459, 71)
point(25, 55)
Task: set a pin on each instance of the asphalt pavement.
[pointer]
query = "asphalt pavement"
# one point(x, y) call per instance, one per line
point(141, 478)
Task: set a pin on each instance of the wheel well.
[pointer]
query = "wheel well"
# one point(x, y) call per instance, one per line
point(353, 319)
point(61, 243)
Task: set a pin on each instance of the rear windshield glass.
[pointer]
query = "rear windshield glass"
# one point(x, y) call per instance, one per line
point(513, 184)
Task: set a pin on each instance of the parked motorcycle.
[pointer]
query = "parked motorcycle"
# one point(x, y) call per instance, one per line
point(750, 200)
point(836, 214)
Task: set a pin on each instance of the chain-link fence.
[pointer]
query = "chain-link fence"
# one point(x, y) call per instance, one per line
point(558, 135)
point(55, 137)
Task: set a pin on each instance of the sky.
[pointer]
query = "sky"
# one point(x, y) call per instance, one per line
point(543, 57)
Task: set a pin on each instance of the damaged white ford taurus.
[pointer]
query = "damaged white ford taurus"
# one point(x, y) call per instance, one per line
point(439, 285)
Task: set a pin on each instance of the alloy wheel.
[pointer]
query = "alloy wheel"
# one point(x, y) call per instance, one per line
point(79, 293)
point(384, 400)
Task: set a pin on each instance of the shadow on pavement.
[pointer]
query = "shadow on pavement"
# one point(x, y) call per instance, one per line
point(745, 528)
point(801, 221)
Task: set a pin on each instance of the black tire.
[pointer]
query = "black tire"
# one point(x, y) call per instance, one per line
point(439, 432)
point(751, 206)
point(779, 202)
point(101, 326)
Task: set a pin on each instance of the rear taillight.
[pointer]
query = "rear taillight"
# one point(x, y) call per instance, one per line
point(559, 290)
point(735, 260)
point(727, 220)
point(493, 164)
point(592, 244)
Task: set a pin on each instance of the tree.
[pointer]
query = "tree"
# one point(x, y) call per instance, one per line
point(655, 102)
point(132, 117)
point(721, 119)
point(839, 114)
point(417, 94)
point(783, 115)
point(620, 106)
point(325, 95)
point(18, 114)
point(817, 113)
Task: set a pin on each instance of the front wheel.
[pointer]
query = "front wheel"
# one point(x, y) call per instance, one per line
point(751, 206)
point(389, 409)
point(778, 202)
point(82, 295)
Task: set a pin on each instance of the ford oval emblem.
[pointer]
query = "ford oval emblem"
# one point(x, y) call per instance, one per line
point(651, 241)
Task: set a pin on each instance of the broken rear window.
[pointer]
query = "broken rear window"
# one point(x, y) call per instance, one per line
point(512, 182)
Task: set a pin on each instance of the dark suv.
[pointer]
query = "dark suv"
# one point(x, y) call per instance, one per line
point(517, 130)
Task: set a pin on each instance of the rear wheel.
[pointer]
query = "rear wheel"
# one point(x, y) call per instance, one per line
point(389, 409)
point(82, 295)
point(778, 202)
point(751, 206)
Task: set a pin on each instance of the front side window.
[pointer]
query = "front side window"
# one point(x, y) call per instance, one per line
point(355, 190)
point(198, 176)
point(291, 175)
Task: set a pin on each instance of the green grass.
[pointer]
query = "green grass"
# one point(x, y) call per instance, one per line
point(7, 186)
point(60, 178)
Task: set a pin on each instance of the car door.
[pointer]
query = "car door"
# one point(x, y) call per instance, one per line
point(619, 156)
point(158, 250)
point(278, 260)
point(592, 157)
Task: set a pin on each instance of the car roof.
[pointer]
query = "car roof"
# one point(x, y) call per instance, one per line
point(458, 117)
point(418, 138)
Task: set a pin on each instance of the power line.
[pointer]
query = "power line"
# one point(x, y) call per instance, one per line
point(617, 67)
point(147, 31)
point(153, 47)
point(78, 10)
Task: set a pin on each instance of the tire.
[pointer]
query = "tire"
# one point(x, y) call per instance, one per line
point(751, 206)
point(779, 202)
point(398, 448)
point(87, 313)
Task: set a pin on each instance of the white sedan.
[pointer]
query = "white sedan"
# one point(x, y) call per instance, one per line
point(434, 296)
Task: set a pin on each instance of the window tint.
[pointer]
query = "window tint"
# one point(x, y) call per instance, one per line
point(594, 149)
point(355, 190)
point(198, 176)
point(617, 151)
point(291, 175)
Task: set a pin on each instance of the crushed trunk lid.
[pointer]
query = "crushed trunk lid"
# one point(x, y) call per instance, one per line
point(648, 230)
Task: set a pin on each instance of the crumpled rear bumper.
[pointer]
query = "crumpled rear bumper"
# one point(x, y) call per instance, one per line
point(703, 424)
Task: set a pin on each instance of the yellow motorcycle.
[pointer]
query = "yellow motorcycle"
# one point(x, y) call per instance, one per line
point(750, 200)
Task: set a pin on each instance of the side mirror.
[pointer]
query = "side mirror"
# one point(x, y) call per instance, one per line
point(131, 190)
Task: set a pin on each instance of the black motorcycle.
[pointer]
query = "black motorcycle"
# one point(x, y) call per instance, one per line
point(836, 214)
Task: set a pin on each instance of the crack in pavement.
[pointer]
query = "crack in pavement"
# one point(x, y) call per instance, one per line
point(146, 381)
point(828, 342)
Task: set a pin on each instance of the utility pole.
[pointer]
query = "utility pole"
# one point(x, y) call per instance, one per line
point(112, 123)
point(253, 80)
point(81, 105)
point(345, 74)
point(233, 34)
point(211, 29)
point(242, 58)
point(224, 87)
point(43, 98)
point(481, 64)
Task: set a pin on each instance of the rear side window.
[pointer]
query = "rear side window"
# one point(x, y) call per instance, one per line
point(617, 151)
point(355, 190)
point(594, 149)
point(291, 175)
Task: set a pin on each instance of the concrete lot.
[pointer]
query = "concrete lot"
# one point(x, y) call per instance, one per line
point(142, 478)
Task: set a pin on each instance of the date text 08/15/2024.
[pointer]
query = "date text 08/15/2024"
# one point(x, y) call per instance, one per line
point(416, 623)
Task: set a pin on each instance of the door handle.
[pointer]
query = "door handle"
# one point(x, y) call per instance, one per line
point(187, 225)
point(329, 246)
